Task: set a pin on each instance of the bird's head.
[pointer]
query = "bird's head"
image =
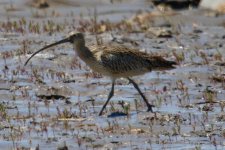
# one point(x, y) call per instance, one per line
point(75, 38)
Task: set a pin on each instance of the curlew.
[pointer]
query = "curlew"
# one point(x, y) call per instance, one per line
point(114, 61)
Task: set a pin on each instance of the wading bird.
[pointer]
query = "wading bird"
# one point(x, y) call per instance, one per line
point(114, 61)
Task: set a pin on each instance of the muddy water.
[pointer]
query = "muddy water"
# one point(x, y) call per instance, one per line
point(54, 101)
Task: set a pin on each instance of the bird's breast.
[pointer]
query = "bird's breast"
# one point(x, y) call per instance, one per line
point(98, 67)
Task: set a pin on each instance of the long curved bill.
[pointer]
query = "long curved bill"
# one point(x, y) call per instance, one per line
point(50, 45)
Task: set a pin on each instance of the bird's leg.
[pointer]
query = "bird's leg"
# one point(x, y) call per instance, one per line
point(111, 93)
point(142, 95)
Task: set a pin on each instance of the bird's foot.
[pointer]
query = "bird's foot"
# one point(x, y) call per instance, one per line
point(150, 108)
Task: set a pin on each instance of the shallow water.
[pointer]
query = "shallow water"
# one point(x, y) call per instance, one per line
point(55, 99)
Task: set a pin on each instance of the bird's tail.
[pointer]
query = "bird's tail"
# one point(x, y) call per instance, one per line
point(159, 63)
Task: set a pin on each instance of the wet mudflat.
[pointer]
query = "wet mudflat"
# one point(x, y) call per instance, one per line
point(54, 101)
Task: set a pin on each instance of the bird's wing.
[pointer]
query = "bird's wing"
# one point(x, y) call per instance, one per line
point(121, 59)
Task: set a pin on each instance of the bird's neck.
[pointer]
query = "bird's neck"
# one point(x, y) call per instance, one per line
point(82, 51)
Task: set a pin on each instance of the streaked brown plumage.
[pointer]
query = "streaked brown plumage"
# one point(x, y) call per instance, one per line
point(115, 61)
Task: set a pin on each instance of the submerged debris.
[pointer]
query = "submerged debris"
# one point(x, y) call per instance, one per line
point(177, 4)
point(49, 97)
point(218, 78)
point(161, 32)
point(41, 4)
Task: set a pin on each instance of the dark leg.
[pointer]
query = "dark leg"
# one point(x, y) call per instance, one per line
point(111, 93)
point(142, 95)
